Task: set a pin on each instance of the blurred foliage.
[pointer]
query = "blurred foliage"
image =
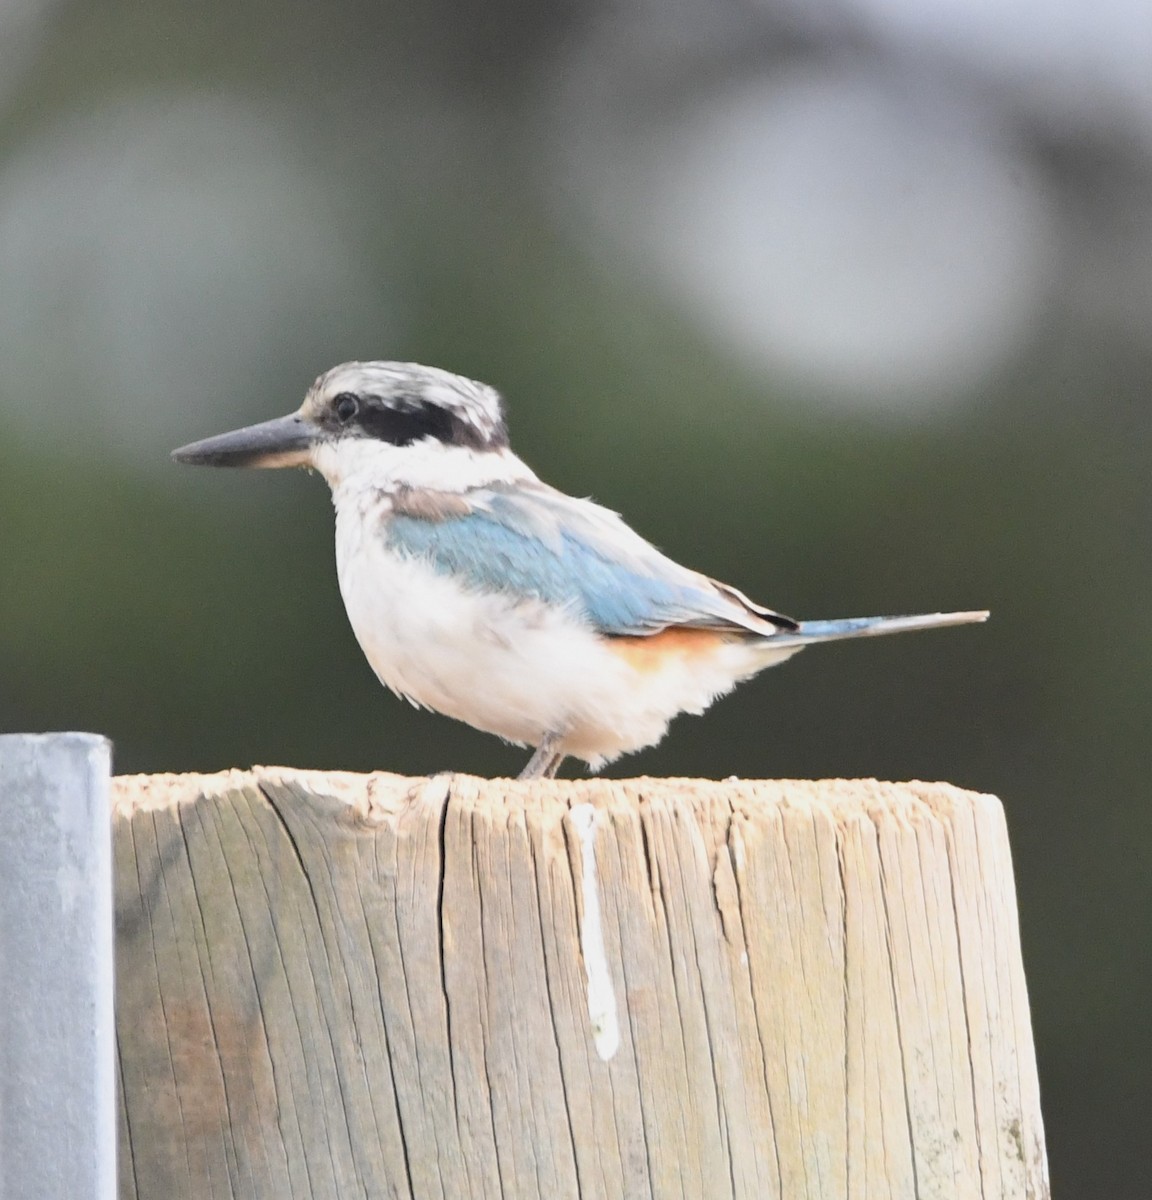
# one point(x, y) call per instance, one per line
point(194, 617)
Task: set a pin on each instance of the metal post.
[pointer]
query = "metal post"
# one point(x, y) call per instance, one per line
point(57, 1039)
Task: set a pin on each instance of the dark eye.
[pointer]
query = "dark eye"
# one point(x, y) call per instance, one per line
point(346, 406)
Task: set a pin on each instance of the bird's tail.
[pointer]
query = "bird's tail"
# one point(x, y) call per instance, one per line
point(853, 627)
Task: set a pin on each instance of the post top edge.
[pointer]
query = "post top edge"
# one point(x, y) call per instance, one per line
point(381, 791)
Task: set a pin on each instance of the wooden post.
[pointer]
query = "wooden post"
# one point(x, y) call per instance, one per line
point(337, 986)
point(57, 1043)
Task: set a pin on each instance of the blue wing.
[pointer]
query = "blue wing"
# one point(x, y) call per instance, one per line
point(531, 541)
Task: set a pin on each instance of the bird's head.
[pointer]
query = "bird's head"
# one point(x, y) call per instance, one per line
point(398, 423)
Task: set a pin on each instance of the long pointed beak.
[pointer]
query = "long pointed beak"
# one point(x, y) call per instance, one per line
point(283, 442)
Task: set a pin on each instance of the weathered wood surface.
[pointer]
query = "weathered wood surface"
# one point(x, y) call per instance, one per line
point(336, 986)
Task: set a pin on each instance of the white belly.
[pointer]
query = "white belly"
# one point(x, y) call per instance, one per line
point(515, 668)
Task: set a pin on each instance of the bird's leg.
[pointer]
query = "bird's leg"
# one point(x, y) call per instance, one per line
point(546, 760)
point(554, 766)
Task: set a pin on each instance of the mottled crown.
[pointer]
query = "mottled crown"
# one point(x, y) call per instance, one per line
point(401, 403)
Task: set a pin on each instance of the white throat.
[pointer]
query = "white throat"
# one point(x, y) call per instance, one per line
point(355, 465)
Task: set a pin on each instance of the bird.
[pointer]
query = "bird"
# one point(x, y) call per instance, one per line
point(477, 590)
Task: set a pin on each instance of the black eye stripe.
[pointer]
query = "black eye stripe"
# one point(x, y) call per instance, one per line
point(406, 424)
point(402, 420)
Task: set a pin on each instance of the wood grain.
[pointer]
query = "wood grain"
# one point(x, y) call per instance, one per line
point(338, 986)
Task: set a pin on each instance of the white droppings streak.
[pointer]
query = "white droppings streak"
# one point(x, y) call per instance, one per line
point(601, 996)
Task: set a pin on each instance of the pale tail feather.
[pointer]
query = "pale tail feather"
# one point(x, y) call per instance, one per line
point(853, 627)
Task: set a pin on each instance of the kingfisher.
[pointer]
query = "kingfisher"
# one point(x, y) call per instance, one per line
point(477, 590)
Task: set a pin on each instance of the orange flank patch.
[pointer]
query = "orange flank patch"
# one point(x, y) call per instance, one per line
point(648, 654)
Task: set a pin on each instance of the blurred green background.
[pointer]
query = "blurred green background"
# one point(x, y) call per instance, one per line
point(846, 303)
